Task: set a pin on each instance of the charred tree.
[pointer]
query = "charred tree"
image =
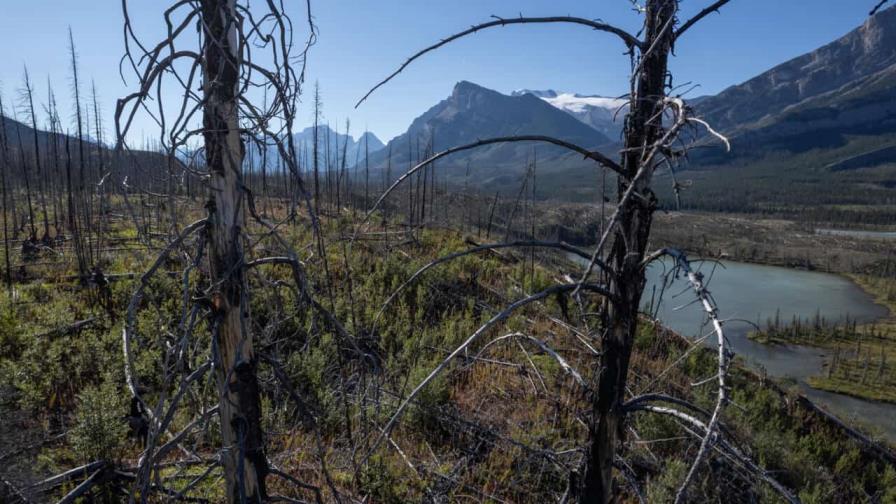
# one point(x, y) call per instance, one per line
point(28, 93)
point(245, 464)
point(644, 128)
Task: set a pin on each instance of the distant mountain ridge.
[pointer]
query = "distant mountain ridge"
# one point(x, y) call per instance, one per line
point(602, 113)
point(352, 146)
point(473, 112)
point(830, 111)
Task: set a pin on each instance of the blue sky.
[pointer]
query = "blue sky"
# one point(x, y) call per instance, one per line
point(361, 41)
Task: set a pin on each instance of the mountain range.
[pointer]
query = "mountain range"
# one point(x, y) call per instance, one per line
point(473, 112)
point(353, 147)
point(807, 119)
point(823, 123)
point(817, 100)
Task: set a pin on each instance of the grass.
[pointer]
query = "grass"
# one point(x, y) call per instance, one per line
point(480, 431)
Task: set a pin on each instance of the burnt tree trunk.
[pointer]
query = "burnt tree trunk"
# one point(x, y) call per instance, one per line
point(243, 456)
point(643, 129)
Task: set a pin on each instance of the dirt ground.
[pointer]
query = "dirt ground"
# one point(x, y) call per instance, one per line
point(773, 241)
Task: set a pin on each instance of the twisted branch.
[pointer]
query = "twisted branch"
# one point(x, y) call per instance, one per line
point(629, 40)
point(700, 15)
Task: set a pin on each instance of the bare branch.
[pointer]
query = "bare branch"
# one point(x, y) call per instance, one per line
point(700, 15)
point(593, 155)
point(878, 7)
point(713, 132)
point(130, 324)
point(724, 447)
point(644, 171)
point(524, 243)
point(544, 347)
point(77, 472)
point(696, 281)
point(630, 40)
point(84, 487)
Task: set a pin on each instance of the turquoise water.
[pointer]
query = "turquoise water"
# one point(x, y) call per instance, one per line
point(756, 293)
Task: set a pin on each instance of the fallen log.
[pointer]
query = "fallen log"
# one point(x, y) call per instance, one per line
point(85, 486)
point(10, 494)
point(69, 329)
point(869, 444)
point(78, 472)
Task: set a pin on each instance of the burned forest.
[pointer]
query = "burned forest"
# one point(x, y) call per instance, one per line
point(216, 291)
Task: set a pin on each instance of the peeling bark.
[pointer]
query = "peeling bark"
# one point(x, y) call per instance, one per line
point(243, 456)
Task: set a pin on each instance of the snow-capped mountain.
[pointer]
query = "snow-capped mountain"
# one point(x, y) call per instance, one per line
point(473, 112)
point(600, 112)
point(546, 93)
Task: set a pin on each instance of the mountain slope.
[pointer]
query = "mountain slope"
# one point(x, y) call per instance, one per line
point(865, 107)
point(853, 58)
point(473, 112)
point(815, 135)
point(601, 113)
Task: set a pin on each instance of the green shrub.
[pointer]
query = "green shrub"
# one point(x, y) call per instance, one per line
point(99, 431)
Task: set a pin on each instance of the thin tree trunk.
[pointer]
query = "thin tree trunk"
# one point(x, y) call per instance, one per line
point(366, 169)
point(316, 148)
point(9, 173)
point(243, 457)
point(4, 150)
point(81, 203)
point(41, 179)
point(630, 242)
point(25, 176)
point(54, 142)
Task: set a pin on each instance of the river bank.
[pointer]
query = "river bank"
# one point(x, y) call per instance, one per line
point(861, 359)
point(753, 238)
point(777, 242)
point(796, 401)
point(749, 295)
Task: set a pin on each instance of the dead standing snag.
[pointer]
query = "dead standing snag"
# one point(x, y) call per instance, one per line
point(651, 138)
point(240, 49)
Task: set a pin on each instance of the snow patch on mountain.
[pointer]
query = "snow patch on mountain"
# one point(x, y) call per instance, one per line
point(577, 103)
point(602, 113)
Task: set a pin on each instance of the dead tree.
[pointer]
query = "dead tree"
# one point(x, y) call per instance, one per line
point(79, 202)
point(28, 99)
point(53, 120)
point(239, 410)
point(23, 165)
point(233, 39)
point(644, 130)
point(653, 136)
point(315, 152)
point(4, 181)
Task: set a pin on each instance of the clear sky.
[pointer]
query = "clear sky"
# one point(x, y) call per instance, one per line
point(361, 41)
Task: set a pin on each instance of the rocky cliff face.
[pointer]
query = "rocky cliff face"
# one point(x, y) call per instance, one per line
point(853, 58)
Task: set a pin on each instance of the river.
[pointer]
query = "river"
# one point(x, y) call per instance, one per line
point(857, 233)
point(755, 293)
